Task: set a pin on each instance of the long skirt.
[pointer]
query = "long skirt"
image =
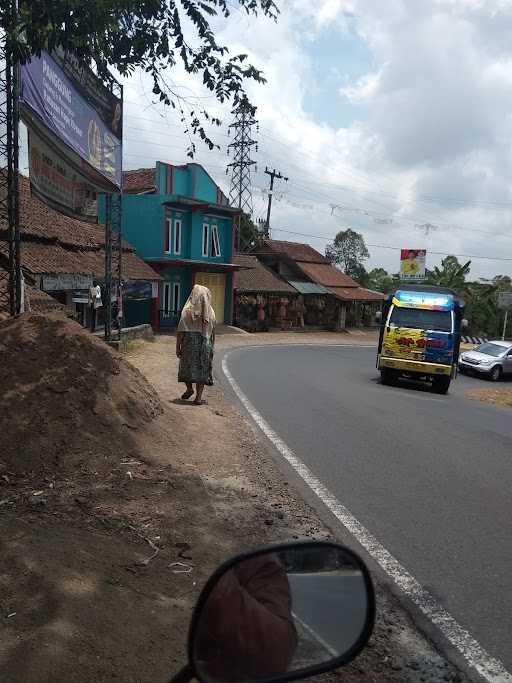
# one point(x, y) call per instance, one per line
point(196, 360)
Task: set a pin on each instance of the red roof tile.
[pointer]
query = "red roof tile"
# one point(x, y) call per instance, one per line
point(54, 243)
point(42, 258)
point(327, 275)
point(38, 301)
point(256, 277)
point(294, 250)
point(39, 220)
point(139, 180)
point(356, 294)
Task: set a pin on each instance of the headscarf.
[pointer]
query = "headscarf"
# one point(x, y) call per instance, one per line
point(197, 314)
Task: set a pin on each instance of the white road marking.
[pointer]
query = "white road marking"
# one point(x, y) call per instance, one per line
point(331, 651)
point(490, 668)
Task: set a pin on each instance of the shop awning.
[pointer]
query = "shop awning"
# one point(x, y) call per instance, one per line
point(308, 287)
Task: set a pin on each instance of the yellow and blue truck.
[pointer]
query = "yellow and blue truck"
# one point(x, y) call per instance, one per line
point(420, 336)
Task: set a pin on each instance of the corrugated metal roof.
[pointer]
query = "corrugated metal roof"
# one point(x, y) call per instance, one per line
point(308, 287)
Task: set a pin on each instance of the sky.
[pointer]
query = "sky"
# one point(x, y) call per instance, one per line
point(383, 121)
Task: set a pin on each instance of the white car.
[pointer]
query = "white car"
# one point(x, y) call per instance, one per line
point(492, 359)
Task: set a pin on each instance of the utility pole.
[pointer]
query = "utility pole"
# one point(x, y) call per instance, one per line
point(273, 175)
point(9, 159)
point(240, 194)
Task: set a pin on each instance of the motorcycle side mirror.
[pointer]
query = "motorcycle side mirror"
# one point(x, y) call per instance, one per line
point(280, 614)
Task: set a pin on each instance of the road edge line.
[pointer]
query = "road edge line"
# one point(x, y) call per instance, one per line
point(491, 669)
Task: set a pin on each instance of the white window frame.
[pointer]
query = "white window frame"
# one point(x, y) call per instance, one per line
point(206, 239)
point(167, 300)
point(178, 229)
point(169, 235)
point(215, 242)
point(175, 297)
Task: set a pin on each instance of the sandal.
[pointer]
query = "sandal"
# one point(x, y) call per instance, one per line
point(187, 395)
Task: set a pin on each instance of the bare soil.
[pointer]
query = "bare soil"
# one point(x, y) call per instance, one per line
point(497, 397)
point(104, 549)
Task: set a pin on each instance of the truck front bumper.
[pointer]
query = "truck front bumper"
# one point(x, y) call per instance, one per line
point(417, 367)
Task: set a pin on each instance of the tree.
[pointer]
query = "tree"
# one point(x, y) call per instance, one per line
point(151, 35)
point(452, 274)
point(481, 308)
point(348, 250)
point(249, 233)
point(380, 280)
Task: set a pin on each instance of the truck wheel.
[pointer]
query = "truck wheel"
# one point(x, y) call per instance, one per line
point(387, 377)
point(441, 384)
point(496, 373)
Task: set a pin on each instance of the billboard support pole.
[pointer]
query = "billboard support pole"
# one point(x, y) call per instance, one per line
point(9, 161)
point(108, 268)
point(113, 263)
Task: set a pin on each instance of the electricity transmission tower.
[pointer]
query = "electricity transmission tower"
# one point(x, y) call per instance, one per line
point(240, 194)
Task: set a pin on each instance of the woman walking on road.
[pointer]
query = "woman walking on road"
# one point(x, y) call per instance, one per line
point(195, 342)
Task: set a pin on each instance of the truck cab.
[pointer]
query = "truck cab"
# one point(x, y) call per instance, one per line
point(420, 336)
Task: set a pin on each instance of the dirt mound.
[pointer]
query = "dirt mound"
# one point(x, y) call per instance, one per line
point(67, 400)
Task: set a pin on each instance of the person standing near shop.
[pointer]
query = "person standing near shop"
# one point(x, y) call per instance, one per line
point(95, 302)
point(195, 342)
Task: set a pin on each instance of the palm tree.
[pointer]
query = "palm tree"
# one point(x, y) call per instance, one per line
point(452, 274)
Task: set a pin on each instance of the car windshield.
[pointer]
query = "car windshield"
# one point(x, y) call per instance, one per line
point(491, 349)
point(422, 319)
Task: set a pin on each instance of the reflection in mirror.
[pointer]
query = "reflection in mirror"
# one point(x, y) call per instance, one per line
point(281, 612)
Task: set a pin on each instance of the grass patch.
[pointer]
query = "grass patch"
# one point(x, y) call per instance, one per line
point(498, 397)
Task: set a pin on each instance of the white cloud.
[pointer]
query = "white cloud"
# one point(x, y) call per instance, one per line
point(432, 144)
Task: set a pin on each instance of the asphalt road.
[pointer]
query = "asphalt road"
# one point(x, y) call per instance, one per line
point(333, 606)
point(429, 476)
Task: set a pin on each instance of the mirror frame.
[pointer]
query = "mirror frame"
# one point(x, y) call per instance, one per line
point(301, 673)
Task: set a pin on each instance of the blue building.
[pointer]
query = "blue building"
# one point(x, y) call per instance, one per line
point(181, 224)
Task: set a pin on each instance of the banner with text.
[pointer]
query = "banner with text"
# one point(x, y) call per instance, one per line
point(56, 182)
point(52, 105)
point(413, 264)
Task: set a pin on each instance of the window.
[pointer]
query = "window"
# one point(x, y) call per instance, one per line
point(168, 236)
point(491, 349)
point(206, 231)
point(215, 242)
point(166, 304)
point(177, 236)
point(176, 297)
point(422, 319)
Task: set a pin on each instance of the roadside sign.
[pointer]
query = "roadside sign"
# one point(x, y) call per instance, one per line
point(505, 300)
point(412, 264)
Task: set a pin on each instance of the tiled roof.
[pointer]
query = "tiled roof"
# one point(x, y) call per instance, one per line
point(42, 258)
point(327, 275)
point(294, 250)
point(54, 243)
point(139, 180)
point(256, 277)
point(39, 301)
point(356, 294)
point(39, 220)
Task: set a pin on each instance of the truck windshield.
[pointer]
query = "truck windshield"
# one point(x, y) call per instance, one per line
point(421, 319)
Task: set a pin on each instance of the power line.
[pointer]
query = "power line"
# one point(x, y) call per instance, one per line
point(387, 246)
